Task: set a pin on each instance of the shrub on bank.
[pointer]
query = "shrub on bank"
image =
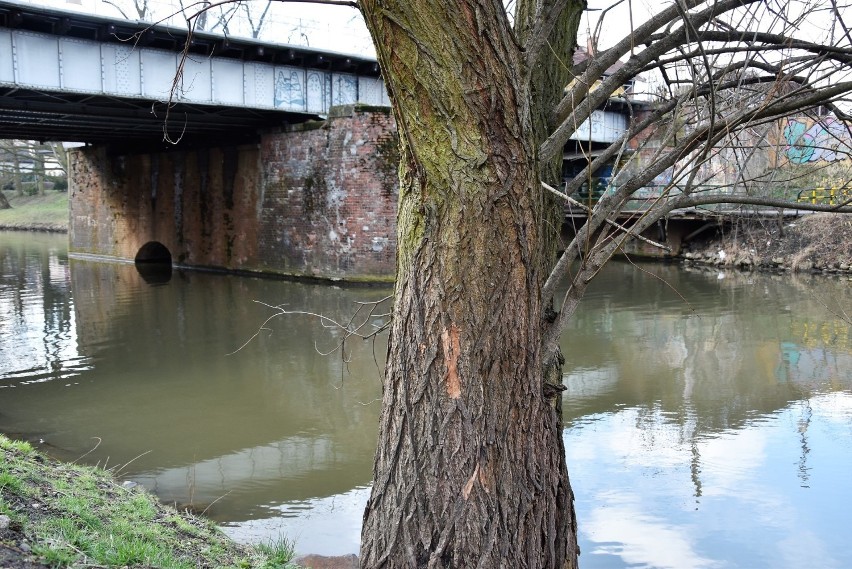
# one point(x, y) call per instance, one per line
point(812, 243)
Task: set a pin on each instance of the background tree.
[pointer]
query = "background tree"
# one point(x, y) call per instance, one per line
point(134, 10)
point(26, 165)
point(256, 18)
point(204, 14)
point(10, 166)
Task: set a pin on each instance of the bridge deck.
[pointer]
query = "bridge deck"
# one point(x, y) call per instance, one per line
point(67, 76)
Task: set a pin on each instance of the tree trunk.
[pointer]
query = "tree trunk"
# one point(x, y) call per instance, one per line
point(16, 174)
point(39, 176)
point(470, 468)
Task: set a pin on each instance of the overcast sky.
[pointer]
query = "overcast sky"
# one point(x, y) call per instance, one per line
point(617, 20)
point(341, 28)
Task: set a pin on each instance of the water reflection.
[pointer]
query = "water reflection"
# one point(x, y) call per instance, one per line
point(740, 348)
point(707, 433)
point(640, 507)
point(329, 524)
point(712, 437)
point(37, 334)
point(161, 399)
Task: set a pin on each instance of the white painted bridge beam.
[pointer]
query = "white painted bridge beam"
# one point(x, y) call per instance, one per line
point(51, 63)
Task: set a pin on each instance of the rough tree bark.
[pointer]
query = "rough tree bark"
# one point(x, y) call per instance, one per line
point(470, 468)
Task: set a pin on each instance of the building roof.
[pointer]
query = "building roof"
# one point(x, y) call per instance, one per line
point(581, 55)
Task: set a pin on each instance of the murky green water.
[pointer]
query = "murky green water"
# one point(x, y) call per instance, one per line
point(715, 432)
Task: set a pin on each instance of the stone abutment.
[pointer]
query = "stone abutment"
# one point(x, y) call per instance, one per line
point(315, 201)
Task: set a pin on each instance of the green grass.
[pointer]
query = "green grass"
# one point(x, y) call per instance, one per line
point(278, 552)
point(10, 482)
point(47, 212)
point(79, 516)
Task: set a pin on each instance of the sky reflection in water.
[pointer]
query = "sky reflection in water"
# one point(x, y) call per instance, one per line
point(769, 494)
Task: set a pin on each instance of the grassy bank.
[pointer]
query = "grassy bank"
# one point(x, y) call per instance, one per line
point(60, 515)
point(40, 213)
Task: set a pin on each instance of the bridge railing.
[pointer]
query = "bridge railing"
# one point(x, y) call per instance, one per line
point(827, 196)
point(644, 197)
point(54, 63)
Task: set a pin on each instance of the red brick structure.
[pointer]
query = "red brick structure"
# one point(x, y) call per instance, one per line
point(316, 201)
point(330, 197)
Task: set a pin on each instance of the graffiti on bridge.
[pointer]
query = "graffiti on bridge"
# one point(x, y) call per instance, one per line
point(826, 139)
point(309, 90)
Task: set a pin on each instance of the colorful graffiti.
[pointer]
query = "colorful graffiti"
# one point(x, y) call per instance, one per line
point(826, 139)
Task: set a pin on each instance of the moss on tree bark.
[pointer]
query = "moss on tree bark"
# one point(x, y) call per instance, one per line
point(470, 468)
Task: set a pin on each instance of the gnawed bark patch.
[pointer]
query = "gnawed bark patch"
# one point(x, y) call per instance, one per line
point(469, 485)
point(452, 349)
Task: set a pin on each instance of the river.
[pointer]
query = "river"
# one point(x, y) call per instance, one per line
point(708, 417)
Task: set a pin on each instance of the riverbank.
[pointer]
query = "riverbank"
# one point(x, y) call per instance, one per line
point(36, 213)
point(818, 243)
point(58, 515)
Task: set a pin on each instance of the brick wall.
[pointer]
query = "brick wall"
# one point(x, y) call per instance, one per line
point(317, 201)
point(200, 204)
point(330, 197)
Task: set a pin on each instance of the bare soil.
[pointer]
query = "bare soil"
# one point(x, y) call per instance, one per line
point(15, 552)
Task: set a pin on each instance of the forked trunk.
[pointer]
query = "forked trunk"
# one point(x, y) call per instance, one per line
point(470, 468)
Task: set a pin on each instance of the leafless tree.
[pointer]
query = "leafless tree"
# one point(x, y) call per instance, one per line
point(140, 10)
point(10, 165)
point(470, 467)
point(37, 160)
point(256, 18)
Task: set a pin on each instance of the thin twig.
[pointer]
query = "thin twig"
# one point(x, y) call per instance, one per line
point(210, 505)
point(89, 452)
point(617, 225)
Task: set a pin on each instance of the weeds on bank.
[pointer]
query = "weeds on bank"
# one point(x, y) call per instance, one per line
point(75, 515)
point(278, 552)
